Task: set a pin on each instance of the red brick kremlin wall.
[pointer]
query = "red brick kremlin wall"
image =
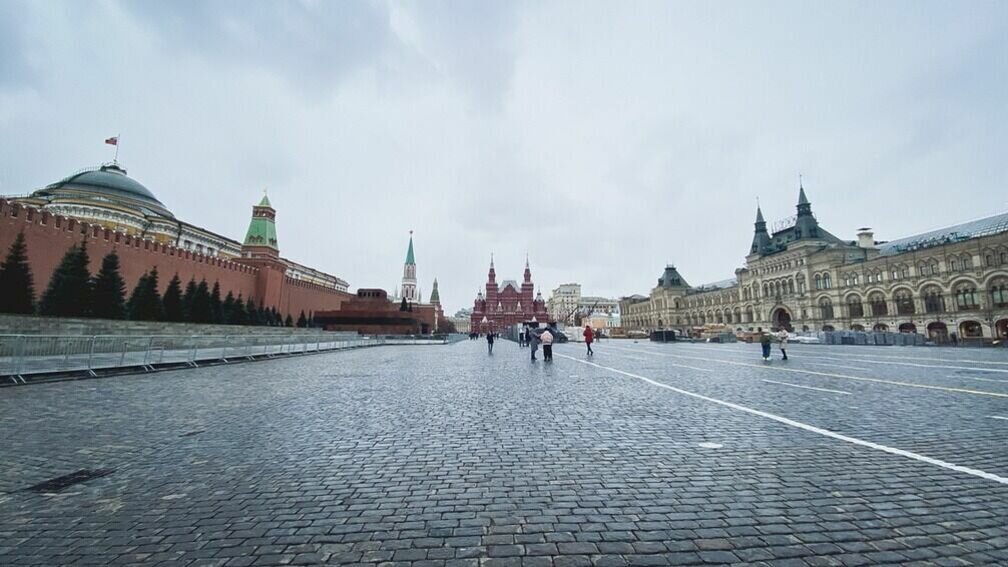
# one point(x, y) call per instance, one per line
point(49, 236)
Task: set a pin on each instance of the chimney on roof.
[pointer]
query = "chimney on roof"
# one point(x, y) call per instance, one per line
point(865, 238)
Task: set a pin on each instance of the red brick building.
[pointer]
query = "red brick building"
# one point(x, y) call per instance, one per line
point(507, 304)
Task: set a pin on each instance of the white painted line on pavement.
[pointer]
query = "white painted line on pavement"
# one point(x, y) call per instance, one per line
point(668, 363)
point(997, 417)
point(876, 361)
point(808, 387)
point(977, 378)
point(807, 427)
point(870, 356)
point(832, 375)
point(803, 361)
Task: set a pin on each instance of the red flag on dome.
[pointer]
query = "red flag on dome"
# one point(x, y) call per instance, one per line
point(113, 141)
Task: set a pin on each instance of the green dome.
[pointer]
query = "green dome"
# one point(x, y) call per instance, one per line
point(109, 182)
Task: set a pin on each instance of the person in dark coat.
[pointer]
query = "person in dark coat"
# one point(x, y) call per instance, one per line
point(765, 342)
point(490, 341)
point(533, 342)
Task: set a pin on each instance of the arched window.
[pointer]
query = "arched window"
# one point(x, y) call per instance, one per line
point(825, 308)
point(934, 302)
point(967, 297)
point(967, 263)
point(878, 305)
point(954, 265)
point(934, 268)
point(854, 278)
point(818, 281)
point(904, 303)
point(999, 293)
point(827, 282)
point(847, 280)
point(801, 284)
point(854, 307)
point(766, 290)
point(878, 275)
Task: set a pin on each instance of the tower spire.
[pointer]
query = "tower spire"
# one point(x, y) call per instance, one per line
point(761, 239)
point(409, 281)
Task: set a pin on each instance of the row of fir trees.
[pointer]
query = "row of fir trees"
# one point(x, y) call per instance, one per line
point(74, 292)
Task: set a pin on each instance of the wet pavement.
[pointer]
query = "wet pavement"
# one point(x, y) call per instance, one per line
point(644, 454)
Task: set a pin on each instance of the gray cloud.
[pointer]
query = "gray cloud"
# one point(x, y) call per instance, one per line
point(312, 44)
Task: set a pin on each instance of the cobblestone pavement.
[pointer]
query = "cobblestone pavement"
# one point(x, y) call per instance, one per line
point(442, 455)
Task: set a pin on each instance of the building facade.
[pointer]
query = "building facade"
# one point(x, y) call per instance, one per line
point(112, 211)
point(507, 304)
point(566, 305)
point(948, 284)
point(562, 304)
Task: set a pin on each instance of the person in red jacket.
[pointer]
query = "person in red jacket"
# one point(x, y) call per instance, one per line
point(589, 336)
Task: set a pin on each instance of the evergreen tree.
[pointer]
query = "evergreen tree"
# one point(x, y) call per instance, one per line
point(187, 299)
point(69, 291)
point(403, 306)
point(172, 301)
point(302, 321)
point(311, 319)
point(216, 307)
point(17, 289)
point(201, 310)
point(135, 295)
point(109, 290)
point(227, 310)
point(253, 313)
point(239, 315)
point(288, 322)
point(145, 303)
point(275, 316)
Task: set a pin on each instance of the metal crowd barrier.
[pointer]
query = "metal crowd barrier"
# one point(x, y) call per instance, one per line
point(23, 355)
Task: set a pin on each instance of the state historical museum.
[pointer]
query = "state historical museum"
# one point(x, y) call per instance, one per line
point(507, 304)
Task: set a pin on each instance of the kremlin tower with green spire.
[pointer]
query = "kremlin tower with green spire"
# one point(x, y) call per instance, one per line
point(409, 280)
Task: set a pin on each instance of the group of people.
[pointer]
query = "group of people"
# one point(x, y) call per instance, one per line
point(528, 337)
point(766, 339)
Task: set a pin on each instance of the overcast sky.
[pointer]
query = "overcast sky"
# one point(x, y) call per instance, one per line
point(603, 139)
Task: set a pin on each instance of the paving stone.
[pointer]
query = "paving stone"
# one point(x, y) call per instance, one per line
point(426, 457)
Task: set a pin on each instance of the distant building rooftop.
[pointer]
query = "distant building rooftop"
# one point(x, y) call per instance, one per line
point(722, 284)
point(965, 231)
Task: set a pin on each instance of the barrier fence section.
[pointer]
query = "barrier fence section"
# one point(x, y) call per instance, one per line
point(22, 355)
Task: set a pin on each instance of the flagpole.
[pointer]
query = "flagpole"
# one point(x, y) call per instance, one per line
point(115, 159)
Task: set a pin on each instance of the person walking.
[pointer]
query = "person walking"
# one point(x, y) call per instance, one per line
point(765, 344)
point(533, 343)
point(782, 339)
point(490, 341)
point(589, 336)
point(547, 342)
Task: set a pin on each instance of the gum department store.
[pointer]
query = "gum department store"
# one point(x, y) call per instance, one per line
point(948, 284)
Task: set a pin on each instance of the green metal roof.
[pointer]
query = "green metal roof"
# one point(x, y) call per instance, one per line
point(111, 181)
point(261, 232)
point(409, 253)
point(265, 201)
point(435, 297)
